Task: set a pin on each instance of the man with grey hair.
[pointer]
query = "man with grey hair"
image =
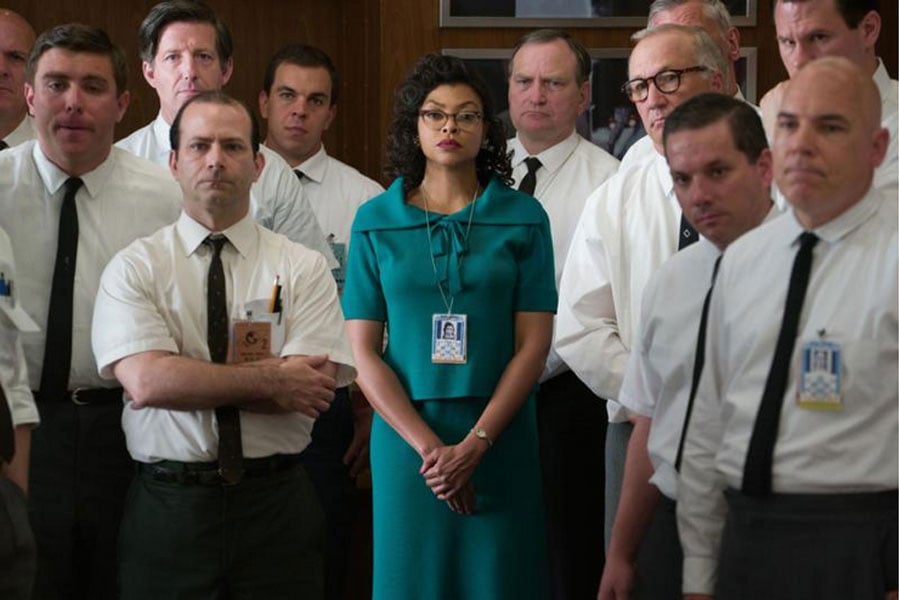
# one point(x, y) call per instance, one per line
point(549, 87)
point(16, 39)
point(629, 226)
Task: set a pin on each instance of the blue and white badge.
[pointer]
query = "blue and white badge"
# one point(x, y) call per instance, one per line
point(819, 376)
point(449, 335)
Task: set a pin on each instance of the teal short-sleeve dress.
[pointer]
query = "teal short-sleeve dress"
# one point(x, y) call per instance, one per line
point(492, 259)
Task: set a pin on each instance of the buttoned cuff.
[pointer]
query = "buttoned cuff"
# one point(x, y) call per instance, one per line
point(700, 575)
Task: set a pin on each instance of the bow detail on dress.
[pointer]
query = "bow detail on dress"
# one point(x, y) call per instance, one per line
point(449, 245)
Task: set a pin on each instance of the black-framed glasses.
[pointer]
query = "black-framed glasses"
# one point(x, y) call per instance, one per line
point(435, 119)
point(667, 82)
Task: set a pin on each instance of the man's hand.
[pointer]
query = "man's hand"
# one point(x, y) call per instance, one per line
point(617, 580)
point(356, 456)
point(305, 387)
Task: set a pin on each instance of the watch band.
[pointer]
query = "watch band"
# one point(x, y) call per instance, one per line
point(481, 434)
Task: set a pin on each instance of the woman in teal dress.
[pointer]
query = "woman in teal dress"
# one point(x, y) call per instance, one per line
point(460, 269)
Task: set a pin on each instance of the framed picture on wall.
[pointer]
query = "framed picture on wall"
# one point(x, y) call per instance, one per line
point(610, 120)
point(565, 13)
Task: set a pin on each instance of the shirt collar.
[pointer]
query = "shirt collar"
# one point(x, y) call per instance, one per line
point(315, 166)
point(54, 178)
point(885, 85)
point(663, 172)
point(161, 132)
point(242, 234)
point(550, 159)
point(845, 223)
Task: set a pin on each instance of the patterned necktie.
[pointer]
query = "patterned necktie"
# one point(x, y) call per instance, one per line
point(757, 470)
point(687, 234)
point(230, 449)
point(58, 345)
point(529, 181)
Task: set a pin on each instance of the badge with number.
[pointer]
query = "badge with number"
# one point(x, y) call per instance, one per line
point(819, 376)
point(449, 335)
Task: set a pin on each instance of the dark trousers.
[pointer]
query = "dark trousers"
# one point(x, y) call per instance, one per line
point(80, 471)
point(660, 560)
point(323, 461)
point(571, 424)
point(18, 554)
point(809, 546)
point(259, 539)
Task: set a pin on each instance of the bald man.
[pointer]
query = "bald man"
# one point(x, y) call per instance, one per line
point(789, 475)
point(810, 29)
point(16, 39)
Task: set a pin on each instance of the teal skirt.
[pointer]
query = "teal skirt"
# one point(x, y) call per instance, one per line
point(423, 550)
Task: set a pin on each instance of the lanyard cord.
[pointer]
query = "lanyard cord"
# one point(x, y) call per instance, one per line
point(424, 194)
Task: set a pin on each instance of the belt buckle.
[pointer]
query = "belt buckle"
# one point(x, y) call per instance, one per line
point(74, 397)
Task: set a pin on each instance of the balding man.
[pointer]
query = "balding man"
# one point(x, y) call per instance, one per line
point(721, 167)
point(789, 475)
point(630, 225)
point(549, 86)
point(810, 29)
point(16, 39)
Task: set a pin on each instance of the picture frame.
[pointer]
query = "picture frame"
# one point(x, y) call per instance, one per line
point(534, 14)
point(611, 120)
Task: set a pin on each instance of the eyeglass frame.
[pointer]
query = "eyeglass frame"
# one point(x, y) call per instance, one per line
point(446, 118)
point(679, 73)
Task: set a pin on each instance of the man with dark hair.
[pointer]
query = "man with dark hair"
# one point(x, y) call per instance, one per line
point(788, 485)
point(630, 225)
point(186, 49)
point(811, 29)
point(69, 201)
point(221, 506)
point(549, 88)
point(299, 101)
point(16, 39)
point(721, 168)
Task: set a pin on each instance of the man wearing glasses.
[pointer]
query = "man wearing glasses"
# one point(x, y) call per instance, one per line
point(630, 225)
point(549, 87)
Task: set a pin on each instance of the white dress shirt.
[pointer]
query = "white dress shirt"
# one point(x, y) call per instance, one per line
point(153, 298)
point(13, 369)
point(569, 173)
point(886, 176)
point(23, 132)
point(121, 200)
point(629, 228)
point(852, 300)
point(659, 371)
point(277, 199)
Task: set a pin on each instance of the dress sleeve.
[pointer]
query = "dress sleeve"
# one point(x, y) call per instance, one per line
point(363, 296)
point(535, 289)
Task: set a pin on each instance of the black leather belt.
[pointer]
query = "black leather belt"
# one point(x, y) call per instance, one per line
point(207, 473)
point(88, 396)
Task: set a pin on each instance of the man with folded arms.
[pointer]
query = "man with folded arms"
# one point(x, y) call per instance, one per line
point(225, 374)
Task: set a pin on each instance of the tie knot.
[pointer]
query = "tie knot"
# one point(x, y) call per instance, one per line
point(808, 239)
point(72, 185)
point(216, 242)
point(533, 163)
point(300, 174)
point(3, 145)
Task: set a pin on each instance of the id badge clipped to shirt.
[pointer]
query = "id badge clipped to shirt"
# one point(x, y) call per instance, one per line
point(819, 376)
point(449, 339)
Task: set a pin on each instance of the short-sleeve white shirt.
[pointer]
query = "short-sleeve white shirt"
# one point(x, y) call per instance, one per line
point(153, 298)
point(121, 200)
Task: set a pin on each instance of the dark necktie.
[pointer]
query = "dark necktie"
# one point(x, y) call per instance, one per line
point(3, 145)
point(529, 181)
point(757, 470)
point(58, 345)
point(230, 450)
point(300, 174)
point(686, 234)
point(698, 364)
point(7, 434)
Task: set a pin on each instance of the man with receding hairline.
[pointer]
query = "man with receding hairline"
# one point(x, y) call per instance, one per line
point(788, 486)
point(16, 38)
point(810, 29)
point(549, 87)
